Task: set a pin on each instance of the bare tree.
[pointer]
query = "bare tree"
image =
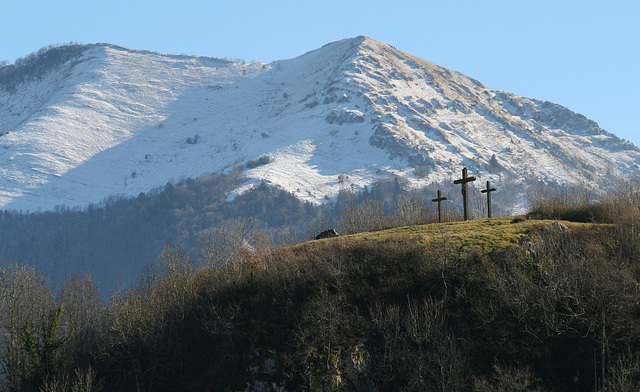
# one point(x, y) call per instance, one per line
point(361, 217)
point(232, 242)
point(418, 349)
point(410, 209)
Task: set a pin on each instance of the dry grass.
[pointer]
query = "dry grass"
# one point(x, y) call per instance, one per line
point(478, 235)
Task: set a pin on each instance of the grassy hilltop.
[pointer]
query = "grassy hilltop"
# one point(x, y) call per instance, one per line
point(476, 235)
point(503, 304)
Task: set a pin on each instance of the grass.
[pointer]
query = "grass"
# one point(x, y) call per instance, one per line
point(479, 235)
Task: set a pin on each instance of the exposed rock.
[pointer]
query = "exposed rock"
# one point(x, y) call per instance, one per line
point(559, 226)
point(327, 234)
point(345, 117)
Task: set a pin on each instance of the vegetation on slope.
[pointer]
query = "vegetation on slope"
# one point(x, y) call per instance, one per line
point(121, 236)
point(36, 64)
point(506, 304)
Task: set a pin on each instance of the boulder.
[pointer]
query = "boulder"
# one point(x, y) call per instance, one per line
point(559, 226)
point(327, 234)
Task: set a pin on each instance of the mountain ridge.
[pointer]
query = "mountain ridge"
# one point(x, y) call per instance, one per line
point(123, 121)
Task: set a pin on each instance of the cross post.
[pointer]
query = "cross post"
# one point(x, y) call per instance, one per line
point(465, 200)
point(439, 199)
point(488, 192)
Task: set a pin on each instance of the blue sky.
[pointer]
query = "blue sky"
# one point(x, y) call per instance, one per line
point(581, 54)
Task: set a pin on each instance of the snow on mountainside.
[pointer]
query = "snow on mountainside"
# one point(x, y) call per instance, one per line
point(112, 120)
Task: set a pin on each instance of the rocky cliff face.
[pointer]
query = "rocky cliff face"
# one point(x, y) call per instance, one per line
point(103, 120)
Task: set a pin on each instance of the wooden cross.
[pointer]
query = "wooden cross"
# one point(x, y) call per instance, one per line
point(439, 199)
point(464, 180)
point(488, 192)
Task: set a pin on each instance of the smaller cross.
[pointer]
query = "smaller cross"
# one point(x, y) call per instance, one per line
point(488, 192)
point(439, 199)
point(463, 181)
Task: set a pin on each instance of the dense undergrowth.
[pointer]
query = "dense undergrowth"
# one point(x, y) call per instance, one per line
point(554, 308)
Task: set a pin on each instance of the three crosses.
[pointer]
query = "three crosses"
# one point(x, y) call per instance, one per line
point(465, 200)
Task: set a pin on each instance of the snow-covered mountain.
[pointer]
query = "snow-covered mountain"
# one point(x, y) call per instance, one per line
point(108, 120)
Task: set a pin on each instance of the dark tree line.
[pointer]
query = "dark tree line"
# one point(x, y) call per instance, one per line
point(118, 238)
point(121, 236)
point(36, 64)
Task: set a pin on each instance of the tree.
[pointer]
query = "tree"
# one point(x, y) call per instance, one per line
point(364, 216)
point(42, 348)
point(26, 302)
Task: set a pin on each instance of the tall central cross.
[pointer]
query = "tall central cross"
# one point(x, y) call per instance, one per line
point(465, 200)
point(439, 199)
point(488, 192)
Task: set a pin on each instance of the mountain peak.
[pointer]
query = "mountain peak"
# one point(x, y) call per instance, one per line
point(124, 121)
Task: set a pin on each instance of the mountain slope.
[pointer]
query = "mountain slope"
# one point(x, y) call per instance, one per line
point(111, 120)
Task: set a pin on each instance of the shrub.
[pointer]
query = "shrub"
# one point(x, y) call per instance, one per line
point(508, 379)
point(263, 160)
point(576, 204)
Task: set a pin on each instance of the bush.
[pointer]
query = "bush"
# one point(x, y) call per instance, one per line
point(508, 379)
point(263, 160)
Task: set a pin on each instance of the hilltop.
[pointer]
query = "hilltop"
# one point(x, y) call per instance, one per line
point(507, 304)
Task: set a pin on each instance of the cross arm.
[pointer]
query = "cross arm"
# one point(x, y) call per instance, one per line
point(464, 180)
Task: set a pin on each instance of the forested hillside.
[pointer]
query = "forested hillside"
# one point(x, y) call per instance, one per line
point(116, 240)
point(504, 304)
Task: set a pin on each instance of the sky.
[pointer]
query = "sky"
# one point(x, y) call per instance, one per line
point(584, 55)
